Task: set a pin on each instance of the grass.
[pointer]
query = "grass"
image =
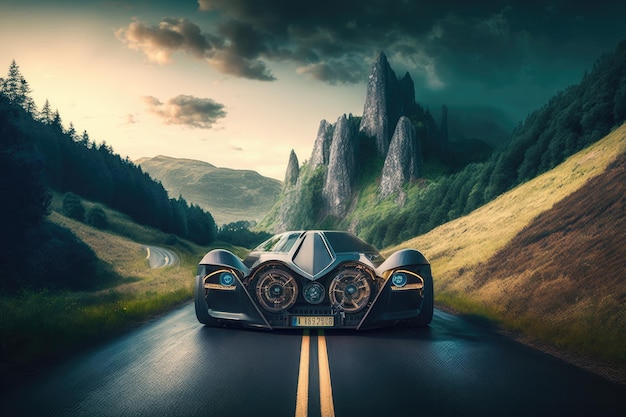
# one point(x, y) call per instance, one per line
point(230, 195)
point(500, 262)
point(468, 240)
point(42, 325)
point(546, 259)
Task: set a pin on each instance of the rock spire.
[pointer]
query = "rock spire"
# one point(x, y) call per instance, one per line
point(386, 100)
point(321, 147)
point(293, 170)
point(404, 161)
point(341, 166)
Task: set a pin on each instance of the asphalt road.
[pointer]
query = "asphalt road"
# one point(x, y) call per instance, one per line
point(159, 257)
point(173, 366)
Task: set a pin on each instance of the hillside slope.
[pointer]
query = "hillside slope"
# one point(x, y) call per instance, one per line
point(566, 270)
point(547, 258)
point(42, 325)
point(230, 195)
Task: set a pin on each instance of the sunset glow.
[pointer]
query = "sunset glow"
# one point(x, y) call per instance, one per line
point(256, 79)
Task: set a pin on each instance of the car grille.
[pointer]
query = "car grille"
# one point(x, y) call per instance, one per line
point(312, 311)
point(341, 319)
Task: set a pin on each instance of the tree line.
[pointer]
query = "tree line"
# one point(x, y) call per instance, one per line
point(572, 120)
point(38, 154)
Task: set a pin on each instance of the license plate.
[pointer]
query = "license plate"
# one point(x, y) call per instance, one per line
point(313, 321)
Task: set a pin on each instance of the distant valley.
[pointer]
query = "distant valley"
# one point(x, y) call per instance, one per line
point(230, 195)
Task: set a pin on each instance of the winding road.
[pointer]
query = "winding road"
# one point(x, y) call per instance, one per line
point(173, 366)
point(160, 257)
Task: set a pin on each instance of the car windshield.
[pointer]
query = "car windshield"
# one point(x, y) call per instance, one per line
point(279, 243)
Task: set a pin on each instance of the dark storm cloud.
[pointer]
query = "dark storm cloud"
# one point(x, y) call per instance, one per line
point(490, 41)
point(160, 42)
point(335, 41)
point(187, 110)
point(447, 45)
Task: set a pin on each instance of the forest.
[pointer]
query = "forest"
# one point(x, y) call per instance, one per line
point(572, 120)
point(37, 156)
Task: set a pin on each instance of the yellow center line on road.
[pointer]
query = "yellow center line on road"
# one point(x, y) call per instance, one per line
point(327, 407)
point(302, 396)
point(326, 390)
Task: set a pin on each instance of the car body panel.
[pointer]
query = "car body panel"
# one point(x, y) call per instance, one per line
point(314, 279)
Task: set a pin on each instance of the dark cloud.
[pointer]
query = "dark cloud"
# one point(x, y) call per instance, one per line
point(446, 45)
point(160, 42)
point(187, 110)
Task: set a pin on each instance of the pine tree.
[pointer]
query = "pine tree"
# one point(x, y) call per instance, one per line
point(56, 120)
point(46, 113)
point(84, 139)
point(16, 88)
point(10, 85)
point(27, 103)
point(71, 132)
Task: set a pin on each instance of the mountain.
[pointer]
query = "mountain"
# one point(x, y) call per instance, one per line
point(230, 195)
point(387, 99)
point(392, 133)
point(403, 161)
point(546, 259)
point(459, 172)
point(342, 164)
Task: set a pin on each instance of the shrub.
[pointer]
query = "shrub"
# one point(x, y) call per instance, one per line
point(96, 217)
point(171, 240)
point(50, 257)
point(73, 207)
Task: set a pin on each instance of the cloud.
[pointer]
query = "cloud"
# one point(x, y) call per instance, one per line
point(130, 119)
point(187, 110)
point(445, 45)
point(159, 42)
point(335, 42)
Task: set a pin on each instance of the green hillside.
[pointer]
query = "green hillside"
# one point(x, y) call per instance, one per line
point(230, 195)
point(546, 259)
point(44, 324)
point(447, 188)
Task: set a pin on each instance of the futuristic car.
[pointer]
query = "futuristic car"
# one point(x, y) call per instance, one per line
point(329, 279)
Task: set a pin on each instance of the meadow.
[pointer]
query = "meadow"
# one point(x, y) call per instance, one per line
point(544, 261)
point(43, 325)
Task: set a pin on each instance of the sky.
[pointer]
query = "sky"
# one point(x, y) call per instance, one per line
point(240, 83)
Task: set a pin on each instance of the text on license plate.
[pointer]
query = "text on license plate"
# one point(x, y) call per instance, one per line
point(313, 321)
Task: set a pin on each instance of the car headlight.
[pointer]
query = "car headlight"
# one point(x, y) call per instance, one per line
point(227, 279)
point(405, 280)
point(399, 279)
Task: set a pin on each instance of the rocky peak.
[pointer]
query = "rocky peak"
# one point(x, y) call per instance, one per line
point(386, 100)
point(404, 161)
point(321, 147)
point(407, 95)
point(341, 166)
point(293, 170)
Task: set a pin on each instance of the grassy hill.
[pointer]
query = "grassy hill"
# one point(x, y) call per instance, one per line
point(230, 195)
point(546, 259)
point(40, 325)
